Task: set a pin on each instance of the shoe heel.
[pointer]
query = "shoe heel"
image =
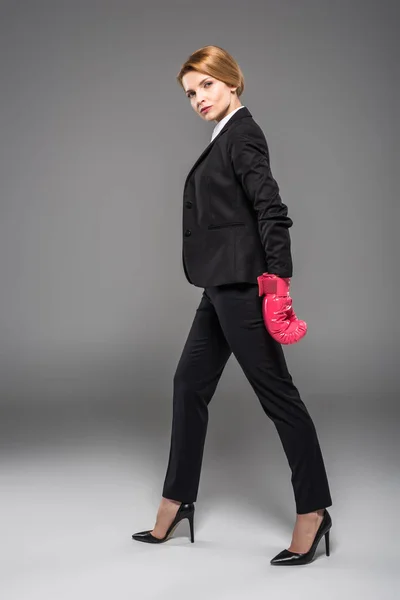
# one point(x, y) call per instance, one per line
point(190, 519)
point(327, 550)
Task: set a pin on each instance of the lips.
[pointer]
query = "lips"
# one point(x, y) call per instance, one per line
point(205, 108)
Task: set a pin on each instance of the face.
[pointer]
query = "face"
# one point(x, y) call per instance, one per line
point(203, 91)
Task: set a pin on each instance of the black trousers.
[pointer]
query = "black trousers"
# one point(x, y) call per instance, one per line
point(229, 320)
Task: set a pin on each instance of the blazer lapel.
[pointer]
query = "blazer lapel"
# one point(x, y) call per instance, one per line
point(240, 114)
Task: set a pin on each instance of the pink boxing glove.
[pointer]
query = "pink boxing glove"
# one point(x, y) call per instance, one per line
point(279, 316)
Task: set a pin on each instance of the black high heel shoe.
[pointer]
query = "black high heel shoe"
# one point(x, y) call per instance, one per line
point(286, 557)
point(185, 511)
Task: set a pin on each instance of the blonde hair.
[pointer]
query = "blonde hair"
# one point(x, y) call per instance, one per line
point(215, 62)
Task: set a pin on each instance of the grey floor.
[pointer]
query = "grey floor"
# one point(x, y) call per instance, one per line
point(76, 482)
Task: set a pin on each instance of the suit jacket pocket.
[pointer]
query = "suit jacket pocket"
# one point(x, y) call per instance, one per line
point(222, 225)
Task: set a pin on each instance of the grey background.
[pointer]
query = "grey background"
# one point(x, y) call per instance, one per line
point(96, 140)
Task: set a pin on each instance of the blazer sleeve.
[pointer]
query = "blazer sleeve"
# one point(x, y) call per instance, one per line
point(250, 160)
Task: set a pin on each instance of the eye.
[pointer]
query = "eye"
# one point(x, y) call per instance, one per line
point(189, 95)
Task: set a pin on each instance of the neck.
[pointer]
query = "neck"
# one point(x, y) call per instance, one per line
point(230, 108)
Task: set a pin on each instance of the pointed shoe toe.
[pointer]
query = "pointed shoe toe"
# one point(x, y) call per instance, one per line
point(286, 557)
point(145, 536)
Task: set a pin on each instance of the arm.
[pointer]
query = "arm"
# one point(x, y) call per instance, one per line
point(250, 161)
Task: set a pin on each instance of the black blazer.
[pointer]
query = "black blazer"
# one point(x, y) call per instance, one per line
point(235, 226)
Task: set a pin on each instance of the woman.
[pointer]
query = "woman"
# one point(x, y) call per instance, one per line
point(235, 233)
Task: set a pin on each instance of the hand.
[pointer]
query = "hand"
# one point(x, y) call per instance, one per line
point(279, 317)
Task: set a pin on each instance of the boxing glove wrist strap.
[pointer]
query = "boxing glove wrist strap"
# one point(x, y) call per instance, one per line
point(272, 284)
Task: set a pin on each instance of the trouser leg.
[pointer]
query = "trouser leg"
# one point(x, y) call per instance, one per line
point(199, 369)
point(239, 311)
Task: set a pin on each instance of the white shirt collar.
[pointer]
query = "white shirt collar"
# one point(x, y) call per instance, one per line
point(220, 125)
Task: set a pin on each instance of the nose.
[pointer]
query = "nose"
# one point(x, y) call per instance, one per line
point(202, 103)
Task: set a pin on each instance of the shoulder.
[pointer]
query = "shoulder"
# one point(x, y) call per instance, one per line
point(246, 133)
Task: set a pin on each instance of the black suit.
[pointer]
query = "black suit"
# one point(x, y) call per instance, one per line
point(238, 229)
point(235, 226)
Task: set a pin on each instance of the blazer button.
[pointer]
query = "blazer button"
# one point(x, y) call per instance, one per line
point(189, 204)
point(188, 232)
